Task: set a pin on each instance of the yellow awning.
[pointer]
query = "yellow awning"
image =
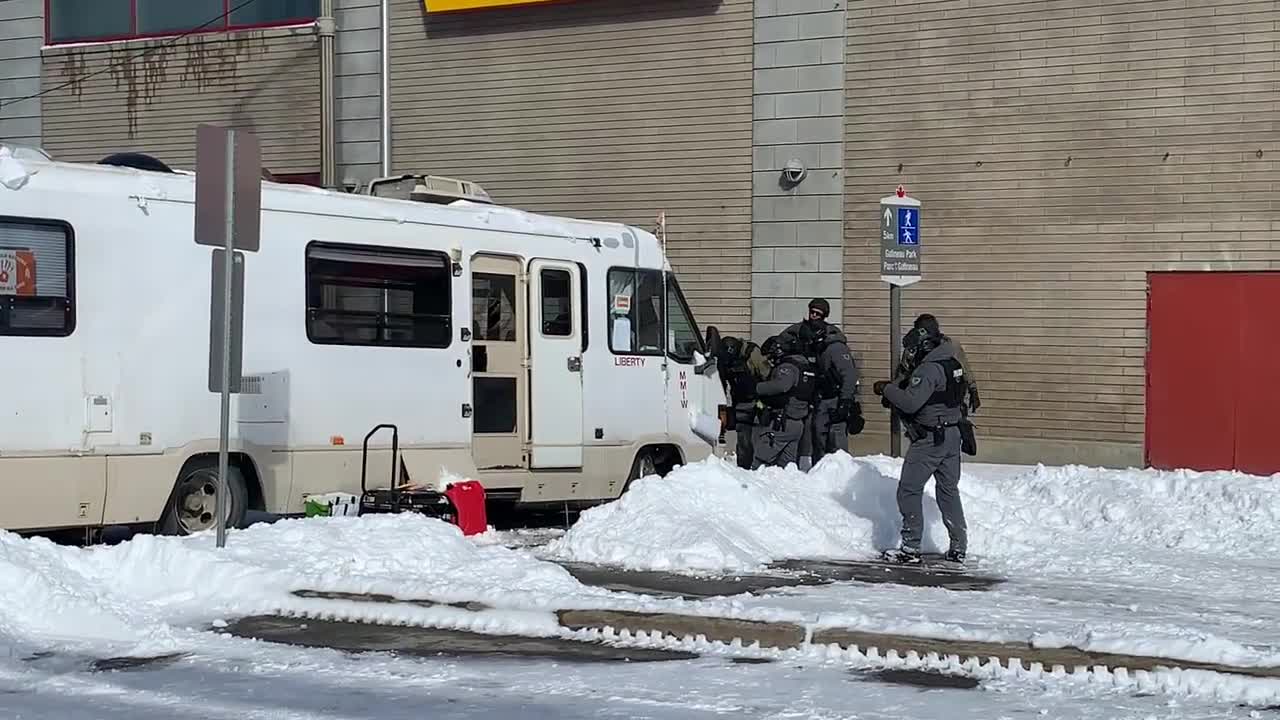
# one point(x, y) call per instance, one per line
point(449, 5)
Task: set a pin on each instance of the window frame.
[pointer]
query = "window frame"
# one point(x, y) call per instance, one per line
point(608, 310)
point(225, 25)
point(69, 233)
point(325, 244)
point(542, 299)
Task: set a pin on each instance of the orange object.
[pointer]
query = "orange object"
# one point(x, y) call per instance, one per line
point(337, 440)
point(468, 500)
point(451, 5)
point(17, 272)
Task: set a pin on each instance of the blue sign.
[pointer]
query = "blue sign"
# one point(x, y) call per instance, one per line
point(908, 226)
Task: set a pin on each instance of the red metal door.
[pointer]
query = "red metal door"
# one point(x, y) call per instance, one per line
point(1192, 353)
point(1213, 371)
point(1258, 375)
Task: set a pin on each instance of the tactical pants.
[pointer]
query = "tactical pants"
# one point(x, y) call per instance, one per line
point(744, 420)
point(828, 435)
point(943, 463)
point(777, 447)
point(806, 450)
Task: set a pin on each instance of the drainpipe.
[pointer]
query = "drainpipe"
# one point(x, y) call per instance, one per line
point(328, 161)
point(386, 88)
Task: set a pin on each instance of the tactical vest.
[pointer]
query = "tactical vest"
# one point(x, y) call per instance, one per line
point(742, 383)
point(804, 389)
point(953, 394)
point(829, 381)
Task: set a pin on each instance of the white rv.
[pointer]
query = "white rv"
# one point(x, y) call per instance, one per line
point(527, 352)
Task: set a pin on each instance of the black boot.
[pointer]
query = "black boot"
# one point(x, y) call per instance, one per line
point(905, 555)
point(955, 556)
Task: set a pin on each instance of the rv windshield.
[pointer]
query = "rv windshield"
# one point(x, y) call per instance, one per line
point(683, 338)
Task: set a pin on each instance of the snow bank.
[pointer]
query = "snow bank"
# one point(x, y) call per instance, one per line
point(714, 516)
point(138, 591)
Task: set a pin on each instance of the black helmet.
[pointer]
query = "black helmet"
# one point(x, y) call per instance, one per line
point(918, 342)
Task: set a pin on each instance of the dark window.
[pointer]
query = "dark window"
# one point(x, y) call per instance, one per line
point(265, 12)
point(81, 20)
point(162, 16)
point(585, 311)
point(557, 303)
point(493, 307)
point(360, 295)
point(495, 399)
point(635, 311)
point(37, 279)
point(71, 20)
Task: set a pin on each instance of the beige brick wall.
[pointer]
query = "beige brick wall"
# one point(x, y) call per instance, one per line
point(1062, 150)
point(607, 109)
point(149, 96)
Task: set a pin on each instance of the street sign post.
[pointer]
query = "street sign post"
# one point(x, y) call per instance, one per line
point(900, 265)
point(227, 216)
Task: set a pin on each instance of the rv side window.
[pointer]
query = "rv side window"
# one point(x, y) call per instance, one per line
point(364, 295)
point(635, 311)
point(557, 299)
point(37, 279)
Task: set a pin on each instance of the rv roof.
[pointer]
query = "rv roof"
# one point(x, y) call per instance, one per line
point(179, 186)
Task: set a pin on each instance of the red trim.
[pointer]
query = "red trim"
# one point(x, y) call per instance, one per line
point(225, 26)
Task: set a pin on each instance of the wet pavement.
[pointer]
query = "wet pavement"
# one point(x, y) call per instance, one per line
point(783, 575)
point(922, 679)
point(433, 642)
point(689, 587)
point(935, 574)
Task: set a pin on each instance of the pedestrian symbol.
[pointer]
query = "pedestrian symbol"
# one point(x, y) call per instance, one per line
point(908, 226)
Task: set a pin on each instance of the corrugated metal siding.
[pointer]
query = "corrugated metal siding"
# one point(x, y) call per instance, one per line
point(264, 81)
point(604, 109)
point(1062, 150)
point(21, 35)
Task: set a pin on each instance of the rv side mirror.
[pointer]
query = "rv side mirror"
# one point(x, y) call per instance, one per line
point(713, 341)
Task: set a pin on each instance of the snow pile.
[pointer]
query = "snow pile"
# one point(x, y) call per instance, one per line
point(713, 515)
point(138, 591)
point(1224, 513)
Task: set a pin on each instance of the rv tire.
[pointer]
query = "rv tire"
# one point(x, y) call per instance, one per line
point(191, 506)
point(645, 464)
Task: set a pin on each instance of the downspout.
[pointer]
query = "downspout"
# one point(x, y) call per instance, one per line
point(386, 88)
point(325, 25)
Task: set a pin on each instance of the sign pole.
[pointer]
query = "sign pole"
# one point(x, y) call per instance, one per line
point(895, 336)
point(900, 263)
point(228, 217)
point(228, 271)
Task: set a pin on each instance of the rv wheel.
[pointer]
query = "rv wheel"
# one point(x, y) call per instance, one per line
point(193, 505)
point(645, 464)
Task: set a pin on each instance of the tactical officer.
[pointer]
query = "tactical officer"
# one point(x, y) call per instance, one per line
point(835, 413)
point(930, 324)
point(742, 367)
point(929, 400)
point(784, 403)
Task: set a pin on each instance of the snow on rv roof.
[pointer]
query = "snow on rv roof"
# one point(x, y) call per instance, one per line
point(179, 186)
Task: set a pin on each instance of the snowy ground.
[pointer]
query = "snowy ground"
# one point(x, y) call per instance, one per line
point(1177, 564)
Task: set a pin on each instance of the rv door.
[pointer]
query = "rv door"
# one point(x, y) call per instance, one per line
point(555, 365)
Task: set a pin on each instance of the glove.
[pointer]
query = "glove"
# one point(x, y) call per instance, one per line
point(879, 386)
point(974, 402)
point(844, 410)
point(856, 422)
point(885, 402)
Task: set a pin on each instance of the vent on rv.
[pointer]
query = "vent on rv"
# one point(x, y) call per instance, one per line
point(428, 188)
